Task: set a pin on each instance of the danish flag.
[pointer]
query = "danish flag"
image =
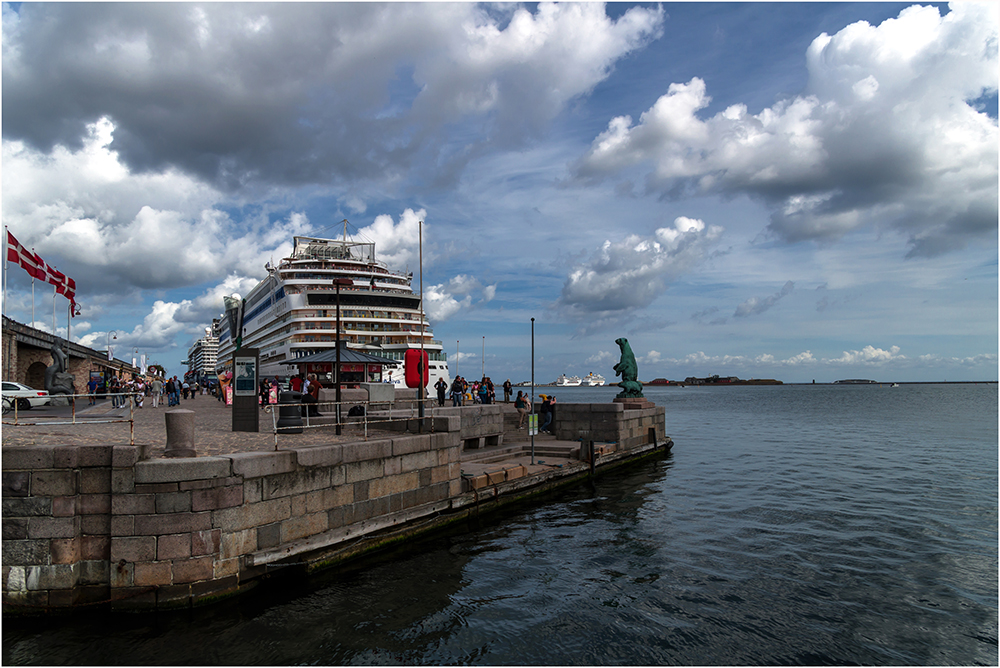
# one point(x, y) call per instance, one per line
point(38, 268)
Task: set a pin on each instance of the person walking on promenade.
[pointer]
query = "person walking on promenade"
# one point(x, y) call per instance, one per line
point(137, 393)
point(92, 391)
point(456, 391)
point(311, 396)
point(546, 412)
point(262, 392)
point(441, 388)
point(155, 388)
point(296, 382)
point(523, 405)
point(484, 391)
point(115, 387)
point(507, 390)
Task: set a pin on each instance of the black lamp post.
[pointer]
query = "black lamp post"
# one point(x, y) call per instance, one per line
point(339, 282)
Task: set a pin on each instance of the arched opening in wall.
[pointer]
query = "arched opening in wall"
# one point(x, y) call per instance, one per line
point(34, 376)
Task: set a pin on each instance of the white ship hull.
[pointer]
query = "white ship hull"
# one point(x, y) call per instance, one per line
point(293, 313)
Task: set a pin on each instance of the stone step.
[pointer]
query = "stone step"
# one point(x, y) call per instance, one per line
point(505, 453)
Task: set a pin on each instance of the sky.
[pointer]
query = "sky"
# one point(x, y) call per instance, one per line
point(799, 191)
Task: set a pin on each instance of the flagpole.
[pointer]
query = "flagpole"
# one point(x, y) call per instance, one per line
point(4, 305)
point(54, 309)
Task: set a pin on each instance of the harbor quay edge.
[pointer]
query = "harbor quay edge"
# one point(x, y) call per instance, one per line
point(94, 525)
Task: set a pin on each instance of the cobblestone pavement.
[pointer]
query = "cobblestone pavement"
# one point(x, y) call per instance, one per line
point(213, 428)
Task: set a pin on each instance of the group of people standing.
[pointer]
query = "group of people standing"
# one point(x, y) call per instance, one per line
point(482, 392)
point(309, 386)
point(136, 389)
point(546, 412)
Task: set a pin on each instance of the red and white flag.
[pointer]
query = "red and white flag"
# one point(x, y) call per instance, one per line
point(38, 268)
point(31, 263)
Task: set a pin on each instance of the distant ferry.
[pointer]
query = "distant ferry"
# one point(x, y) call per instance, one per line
point(292, 313)
point(568, 381)
point(593, 379)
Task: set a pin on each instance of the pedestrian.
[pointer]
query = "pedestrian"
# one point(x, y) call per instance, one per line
point(456, 391)
point(297, 382)
point(523, 405)
point(441, 388)
point(484, 391)
point(185, 388)
point(546, 412)
point(116, 388)
point(508, 388)
point(155, 388)
point(311, 396)
point(92, 391)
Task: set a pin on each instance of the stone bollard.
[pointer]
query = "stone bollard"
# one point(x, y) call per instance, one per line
point(180, 433)
point(289, 414)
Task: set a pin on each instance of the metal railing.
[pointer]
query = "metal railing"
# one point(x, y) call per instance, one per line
point(11, 405)
point(340, 414)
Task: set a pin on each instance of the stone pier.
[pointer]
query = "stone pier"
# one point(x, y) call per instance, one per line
point(93, 523)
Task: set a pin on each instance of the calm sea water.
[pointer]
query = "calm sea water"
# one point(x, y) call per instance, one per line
point(792, 525)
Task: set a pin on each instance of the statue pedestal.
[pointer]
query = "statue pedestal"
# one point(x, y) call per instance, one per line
point(635, 403)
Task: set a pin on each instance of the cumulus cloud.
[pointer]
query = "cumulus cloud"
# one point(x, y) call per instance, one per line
point(601, 358)
point(397, 244)
point(112, 231)
point(627, 275)
point(441, 302)
point(758, 305)
point(869, 356)
point(244, 94)
point(887, 133)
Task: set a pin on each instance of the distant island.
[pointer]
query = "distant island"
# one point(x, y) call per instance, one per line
point(715, 380)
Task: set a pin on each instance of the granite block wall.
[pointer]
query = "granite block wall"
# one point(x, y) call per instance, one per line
point(85, 524)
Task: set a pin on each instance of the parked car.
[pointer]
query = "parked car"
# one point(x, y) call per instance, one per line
point(26, 397)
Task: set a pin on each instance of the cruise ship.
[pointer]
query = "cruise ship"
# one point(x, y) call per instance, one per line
point(293, 313)
point(594, 379)
point(568, 381)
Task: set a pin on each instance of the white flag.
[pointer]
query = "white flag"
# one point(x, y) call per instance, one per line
point(110, 354)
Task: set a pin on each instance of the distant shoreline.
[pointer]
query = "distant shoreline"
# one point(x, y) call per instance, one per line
point(750, 383)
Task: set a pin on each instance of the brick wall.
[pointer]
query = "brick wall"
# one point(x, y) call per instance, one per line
point(91, 523)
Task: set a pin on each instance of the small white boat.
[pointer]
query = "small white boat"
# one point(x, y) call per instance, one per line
point(568, 381)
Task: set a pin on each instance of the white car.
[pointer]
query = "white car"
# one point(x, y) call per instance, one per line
point(26, 397)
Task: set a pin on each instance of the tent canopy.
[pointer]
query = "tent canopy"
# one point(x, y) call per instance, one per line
point(347, 356)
